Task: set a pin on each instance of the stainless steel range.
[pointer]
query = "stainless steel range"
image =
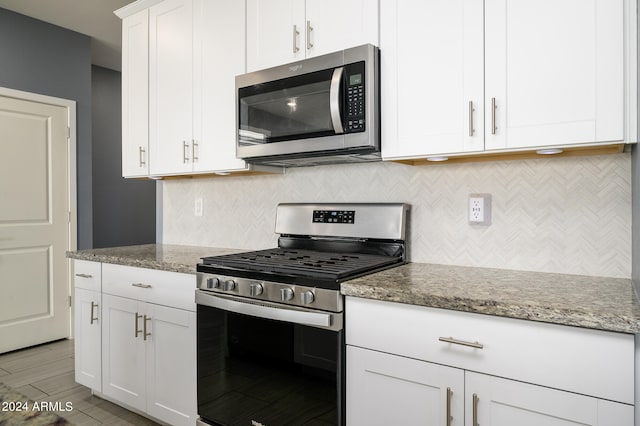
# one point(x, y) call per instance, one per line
point(270, 322)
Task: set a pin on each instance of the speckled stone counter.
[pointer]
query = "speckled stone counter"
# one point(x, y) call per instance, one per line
point(590, 302)
point(165, 257)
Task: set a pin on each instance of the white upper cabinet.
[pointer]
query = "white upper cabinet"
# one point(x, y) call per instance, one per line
point(219, 48)
point(180, 59)
point(135, 94)
point(282, 31)
point(554, 71)
point(468, 76)
point(171, 87)
point(432, 77)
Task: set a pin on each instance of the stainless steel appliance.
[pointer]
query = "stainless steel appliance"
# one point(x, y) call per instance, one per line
point(270, 322)
point(316, 111)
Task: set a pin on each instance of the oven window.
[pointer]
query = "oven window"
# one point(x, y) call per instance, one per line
point(267, 372)
point(292, 108)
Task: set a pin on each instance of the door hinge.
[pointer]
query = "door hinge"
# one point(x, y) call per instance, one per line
point(68, 133)
point(69, 216)
point(70, 301)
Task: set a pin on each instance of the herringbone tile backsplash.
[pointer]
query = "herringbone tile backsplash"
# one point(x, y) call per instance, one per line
point(568, 215)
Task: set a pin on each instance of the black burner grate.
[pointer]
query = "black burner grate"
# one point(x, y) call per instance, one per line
point(307, 263)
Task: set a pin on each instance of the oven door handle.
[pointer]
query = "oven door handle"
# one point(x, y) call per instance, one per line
point(262, 310)
point(334, 100)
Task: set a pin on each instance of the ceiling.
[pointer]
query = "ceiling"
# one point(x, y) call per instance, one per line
point(94, 18)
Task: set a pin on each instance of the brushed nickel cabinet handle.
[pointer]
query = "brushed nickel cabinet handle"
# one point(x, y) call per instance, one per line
point(296, 33)
point(194, 150)
point(145, 334)
point(494, 128)
point(449, 396)
point(471, 110)
point(141, 153)
point(476, 345)
point(137, 330)
point(185, 152)
point(475, 410)
point(141, 285)
point(84, 275)
point(309, 29)
point(93, 305)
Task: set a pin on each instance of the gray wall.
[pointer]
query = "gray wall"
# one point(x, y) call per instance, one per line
point(123, 209)
point(46, 59)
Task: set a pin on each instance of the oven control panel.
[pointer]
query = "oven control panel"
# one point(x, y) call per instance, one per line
point(268, 291)
point(334, 216)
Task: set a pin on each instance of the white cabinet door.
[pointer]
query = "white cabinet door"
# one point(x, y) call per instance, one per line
point(135, 95)
point(275, 32)
point(502, 402)
point(171, 87)
point(432, 75)
point(123, 351)
point(385, 389)
point(219, 55)
point(171, 365)
point(282, 31)
point(554, 71)
point(340, 24)
point(87, 342)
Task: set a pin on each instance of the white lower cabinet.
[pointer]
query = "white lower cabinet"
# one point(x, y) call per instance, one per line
point(502, 402)
point(149, 358)
point(87, 322)
point(135, 338)
point(384, 389)
point(412, 365)
point(87, 348)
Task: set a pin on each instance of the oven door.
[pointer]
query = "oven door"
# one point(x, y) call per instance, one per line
point(265, 364)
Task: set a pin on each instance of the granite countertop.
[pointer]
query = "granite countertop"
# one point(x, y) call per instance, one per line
point(165, 257)
point(583, 301)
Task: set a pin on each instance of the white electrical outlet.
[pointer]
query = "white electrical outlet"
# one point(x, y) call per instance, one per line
point(480, 209)
point(199, 207)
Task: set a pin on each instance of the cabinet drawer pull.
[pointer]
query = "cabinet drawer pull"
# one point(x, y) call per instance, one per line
point(309, 29)
point(142, 151)
point(194, 150)
point(476, 345)
point(449, 396)
point(296, 33)
point(140, 285)
point(494, 128)
point(84, 275)
point(93, 305)
point(137, 330)
point(145, 334)
point(185, 152)
point(471, 110)
point(475, 409)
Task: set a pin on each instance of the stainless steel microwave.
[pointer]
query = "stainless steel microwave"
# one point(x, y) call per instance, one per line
point(319, 110)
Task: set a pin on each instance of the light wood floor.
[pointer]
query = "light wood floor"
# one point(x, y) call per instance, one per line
point(45, 373)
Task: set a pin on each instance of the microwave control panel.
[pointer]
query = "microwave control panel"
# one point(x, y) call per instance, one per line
point(355, 120)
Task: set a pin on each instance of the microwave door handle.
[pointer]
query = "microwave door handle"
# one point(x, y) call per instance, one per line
point(334, 100)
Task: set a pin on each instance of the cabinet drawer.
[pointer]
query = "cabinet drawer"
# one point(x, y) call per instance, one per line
point(590, 362)
point(149, 285)
point(87, 275)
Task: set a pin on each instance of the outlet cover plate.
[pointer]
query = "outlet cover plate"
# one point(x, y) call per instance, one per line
point(480, 209)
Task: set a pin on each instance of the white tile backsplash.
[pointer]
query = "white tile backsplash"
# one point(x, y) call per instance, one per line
point(568, 215)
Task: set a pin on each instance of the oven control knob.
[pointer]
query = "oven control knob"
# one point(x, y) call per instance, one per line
point(286, 294)
point(307, 297)
point(255, 289)
point(229, 285)
point(213, 283)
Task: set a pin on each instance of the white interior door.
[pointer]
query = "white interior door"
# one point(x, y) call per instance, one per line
point(34, 223)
